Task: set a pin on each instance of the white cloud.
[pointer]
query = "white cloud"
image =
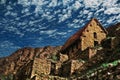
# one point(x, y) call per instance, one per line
point(7, 44)
point(41, 27)
point(99, 10)
point(77, 26)
point(90, 15)
point(61, 33)
point(96, 3)
point(85, 12)
point(25, 10)
point(39, 39)
point(32, 29)
point(53, 3)
point(114, 10)
point(7, 48)
point(31, 23)
point(81, 21)
point(109, 3)
point(56, 34)
point(111, 19)
point(2, 1)
point(13, 14)
point(37, 2)
point(118, 17)
point(91, 3)
point(24, 2)
point(7, 13)
point(2, 32)
point(57, 11)
point(73, 25)
point(63, 17)
point(21, 24)
point(9, 7)
point(27, 14)
point(65, 2)
point(75, 21)
point(47, 32)
point(70, 31)
point(45, 15)
point(38, 9)
point(70, 25)
point(77, 5)
point(14, 30)
point(64, 11)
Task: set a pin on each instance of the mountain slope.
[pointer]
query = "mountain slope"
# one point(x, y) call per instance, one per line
point(10, 64)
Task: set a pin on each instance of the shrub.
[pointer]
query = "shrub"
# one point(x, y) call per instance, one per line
point(54, 57)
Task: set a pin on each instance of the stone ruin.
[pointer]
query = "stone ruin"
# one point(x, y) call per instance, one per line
point(69, 68)
point(34, 68)
point(110, 43)
point(38, 68)
point(66, 64)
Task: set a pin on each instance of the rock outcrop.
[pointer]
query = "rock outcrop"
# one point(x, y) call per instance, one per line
point(10, 64)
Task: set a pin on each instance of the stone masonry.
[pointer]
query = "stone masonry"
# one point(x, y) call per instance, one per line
point(41, 66)
point(71, 67)
point(91, 52)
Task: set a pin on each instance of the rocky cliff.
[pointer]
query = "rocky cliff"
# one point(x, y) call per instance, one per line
point(10, 64)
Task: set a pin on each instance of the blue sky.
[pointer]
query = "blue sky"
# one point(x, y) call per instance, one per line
point(38, 23)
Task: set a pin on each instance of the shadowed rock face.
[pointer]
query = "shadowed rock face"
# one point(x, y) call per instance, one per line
point(19, 58)
point(114, 30)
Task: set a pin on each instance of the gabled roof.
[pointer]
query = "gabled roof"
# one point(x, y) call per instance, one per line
point(77, 35)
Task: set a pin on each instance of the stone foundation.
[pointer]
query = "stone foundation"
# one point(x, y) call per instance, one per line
point(91, 52)
point(71, 67)
point(41, 66)
point(110, 43)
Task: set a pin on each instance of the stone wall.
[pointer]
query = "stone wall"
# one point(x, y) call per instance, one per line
point(88, 37)
point(71, 67)
point(41, 66)
point(75, 65)
point(48, 77)
point(114, 42)
point(110, 42)
point(62, 57)
point(91, 52)
point(66, 67)
point(24, 72)
point(58, 68)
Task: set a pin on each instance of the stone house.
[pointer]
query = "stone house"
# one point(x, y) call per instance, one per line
point(89, 36)
point(82, 45)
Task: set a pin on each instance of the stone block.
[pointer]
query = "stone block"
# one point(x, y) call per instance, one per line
point(41, 66)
